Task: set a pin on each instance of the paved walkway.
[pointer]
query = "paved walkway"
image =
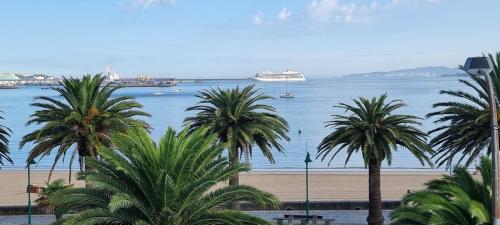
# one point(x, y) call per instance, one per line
point(21, 220)
point(342, 217)
point(347, 217)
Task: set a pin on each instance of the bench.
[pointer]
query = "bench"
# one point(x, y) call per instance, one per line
point(303, 219)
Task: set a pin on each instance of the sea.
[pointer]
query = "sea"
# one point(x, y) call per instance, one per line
point(306, 114)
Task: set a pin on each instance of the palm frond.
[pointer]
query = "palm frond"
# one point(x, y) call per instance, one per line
point(4, 143)
point(241, 121)
point(456, 199)
point(81, 119)
point(176, 181)
point(463, 135)
point(373, 129)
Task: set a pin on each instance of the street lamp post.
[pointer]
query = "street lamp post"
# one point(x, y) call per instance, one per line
point(307, 161)
point(29, 190)
point(482, 66)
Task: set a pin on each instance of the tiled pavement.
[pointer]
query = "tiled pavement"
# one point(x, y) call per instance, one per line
point(342, 217)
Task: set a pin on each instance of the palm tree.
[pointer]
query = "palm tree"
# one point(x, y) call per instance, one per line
point(174, 182)
point(84, 114)
point(373, 129)
point(43, 200)
point(465, 123)
point(240, 120)
point(4, 143)
point(460, 199)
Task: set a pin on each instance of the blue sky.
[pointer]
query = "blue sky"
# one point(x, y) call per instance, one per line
point(237, 38)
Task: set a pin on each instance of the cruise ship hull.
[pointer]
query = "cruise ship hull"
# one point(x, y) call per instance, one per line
point(284, 76)
point(280, 78)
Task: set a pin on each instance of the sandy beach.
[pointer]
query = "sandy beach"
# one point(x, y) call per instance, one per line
point(288, 186)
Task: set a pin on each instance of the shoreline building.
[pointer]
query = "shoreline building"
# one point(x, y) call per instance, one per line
point(142, 80)
point(37, 79)
point(8, 80)
point(110, 75)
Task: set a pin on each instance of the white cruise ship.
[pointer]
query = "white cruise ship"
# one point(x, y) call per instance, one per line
point(283, 76)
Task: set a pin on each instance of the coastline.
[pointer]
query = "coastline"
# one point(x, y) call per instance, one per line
point(286, 185)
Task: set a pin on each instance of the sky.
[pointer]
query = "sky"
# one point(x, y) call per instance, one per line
point(238, 38)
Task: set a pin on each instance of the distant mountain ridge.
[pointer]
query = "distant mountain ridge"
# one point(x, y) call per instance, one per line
point(429, 71)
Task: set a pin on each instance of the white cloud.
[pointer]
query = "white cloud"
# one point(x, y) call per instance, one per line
point(257, 19)
point(284, 14)
point(150, 3)
point(334, 10)
point(415, 2)
point(351, 11)
point(343, 11)
point(322, 10)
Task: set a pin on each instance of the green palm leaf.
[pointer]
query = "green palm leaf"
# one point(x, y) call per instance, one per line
point(241, 121)
point(463, 133)
point(372, 129)
point(175, 182)
point(458, 199)
point(4, 143)
point(82, 119)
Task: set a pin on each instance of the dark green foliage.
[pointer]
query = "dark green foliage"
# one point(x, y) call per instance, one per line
point(372, 129)
point(4, 143)
point(177, 181)
point(464, 132)
point(84, 115)
point(52, 187)
point(240, 120)
point(239, 113)
point(460, 199)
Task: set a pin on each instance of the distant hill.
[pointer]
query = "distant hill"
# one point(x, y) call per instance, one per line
point(430, 71)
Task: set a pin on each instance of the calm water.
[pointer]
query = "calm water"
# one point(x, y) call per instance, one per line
point(307, 112)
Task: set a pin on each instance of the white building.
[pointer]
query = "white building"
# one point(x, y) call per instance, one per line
point(110, 75)
point(8, 80)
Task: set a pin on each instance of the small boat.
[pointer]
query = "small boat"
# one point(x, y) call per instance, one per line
point(287, 94)
point(158, 93)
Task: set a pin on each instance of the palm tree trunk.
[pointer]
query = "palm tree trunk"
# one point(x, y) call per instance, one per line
point(235, 180)
point(375, 216)
point(83, 151)
point(234, 159)
point(233, 155)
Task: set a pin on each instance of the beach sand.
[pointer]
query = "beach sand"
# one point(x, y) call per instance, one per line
point(287, 186)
